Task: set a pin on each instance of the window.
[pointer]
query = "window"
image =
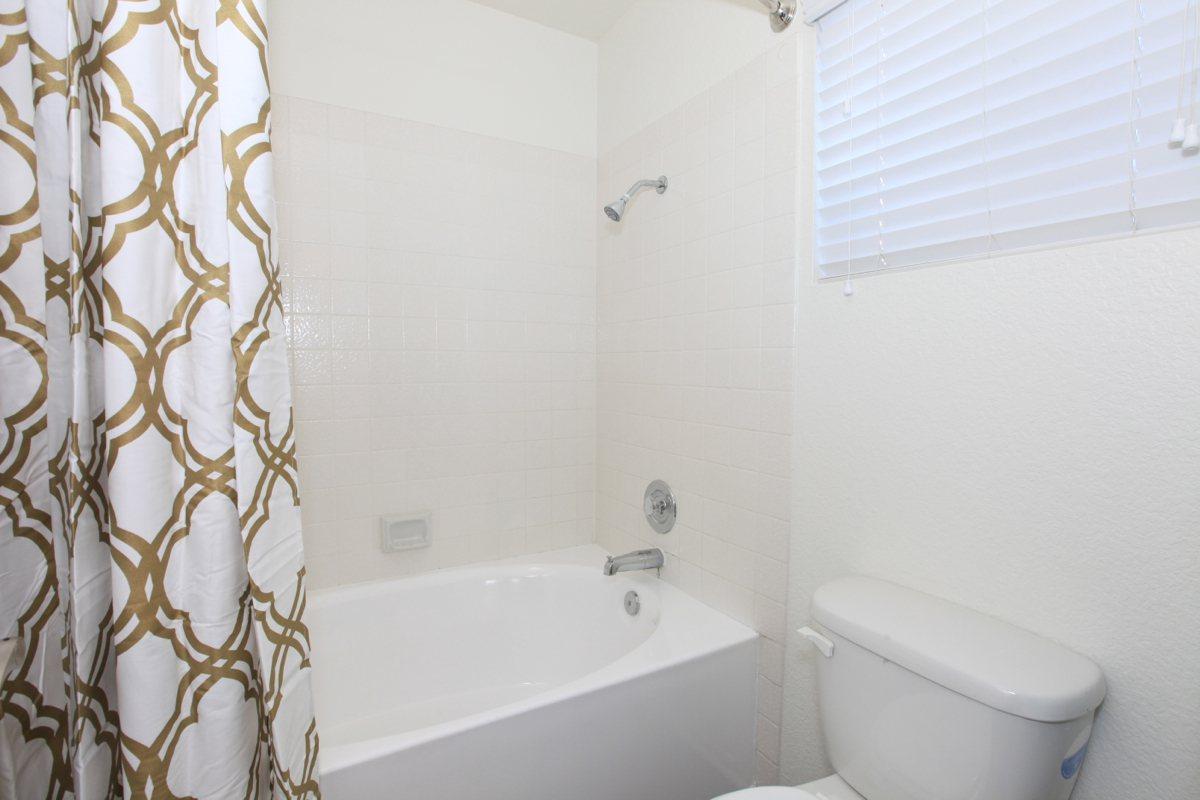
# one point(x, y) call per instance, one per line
point(955, 129)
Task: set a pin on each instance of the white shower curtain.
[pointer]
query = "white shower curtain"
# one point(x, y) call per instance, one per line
point(151, 566)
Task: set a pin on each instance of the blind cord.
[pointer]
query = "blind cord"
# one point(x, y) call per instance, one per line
point(1135, 108)
point(880, 183)
point(1191, 140)
point(987, 125)
point(1180, 129)
point(848, 108)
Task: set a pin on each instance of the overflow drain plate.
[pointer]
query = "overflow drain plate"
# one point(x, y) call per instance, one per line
point(633, 603)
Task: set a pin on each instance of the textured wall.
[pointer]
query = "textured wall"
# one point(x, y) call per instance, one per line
point(441, 296)
point(695, 326)
point(1021, 436)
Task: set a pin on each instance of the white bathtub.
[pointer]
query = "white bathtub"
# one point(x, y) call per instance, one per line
point(528, 681)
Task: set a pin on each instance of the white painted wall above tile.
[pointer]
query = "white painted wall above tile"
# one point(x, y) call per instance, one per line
point(451, 63)
point(662, 53)
point(590, 19)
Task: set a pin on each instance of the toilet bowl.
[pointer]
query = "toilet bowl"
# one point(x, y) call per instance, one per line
point(831, 788)
point(920, 698)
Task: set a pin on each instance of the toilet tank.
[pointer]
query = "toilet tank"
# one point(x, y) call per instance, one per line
point(923, 699)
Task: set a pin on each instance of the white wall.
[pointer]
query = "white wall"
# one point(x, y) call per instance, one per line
point(440, 289)
point(436, 180)
point(1021, 436)
point(695, 331)
point(450, 63)
point(662, 53)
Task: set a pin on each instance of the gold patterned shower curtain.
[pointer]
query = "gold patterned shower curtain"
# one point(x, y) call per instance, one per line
point(151, 568)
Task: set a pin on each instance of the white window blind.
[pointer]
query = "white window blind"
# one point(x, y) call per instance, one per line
point(956, 129)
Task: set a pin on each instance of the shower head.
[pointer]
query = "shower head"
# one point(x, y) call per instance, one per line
point(616, 210)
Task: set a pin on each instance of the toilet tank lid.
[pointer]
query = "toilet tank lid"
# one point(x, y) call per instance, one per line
point(973, 654)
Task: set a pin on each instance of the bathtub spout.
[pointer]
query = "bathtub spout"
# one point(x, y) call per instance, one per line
point(638, 559)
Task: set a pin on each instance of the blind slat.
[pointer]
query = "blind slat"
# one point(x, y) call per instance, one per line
point(1009, 76)
point(948, 130)
point(1079, 128)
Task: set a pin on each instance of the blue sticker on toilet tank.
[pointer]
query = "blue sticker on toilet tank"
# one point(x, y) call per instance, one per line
point(1071, 764)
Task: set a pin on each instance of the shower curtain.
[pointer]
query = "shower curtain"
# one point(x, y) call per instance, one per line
point(151, 568)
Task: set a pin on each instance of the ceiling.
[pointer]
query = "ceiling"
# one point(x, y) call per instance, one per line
point(590, 19)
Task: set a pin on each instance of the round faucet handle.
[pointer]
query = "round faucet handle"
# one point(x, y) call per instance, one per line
point(659, 506)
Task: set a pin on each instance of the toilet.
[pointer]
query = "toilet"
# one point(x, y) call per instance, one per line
point(923, 699)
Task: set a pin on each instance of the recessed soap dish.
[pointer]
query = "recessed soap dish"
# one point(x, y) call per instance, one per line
point(400, 532)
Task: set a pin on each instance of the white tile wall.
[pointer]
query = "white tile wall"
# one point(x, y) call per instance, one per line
point(441, 298)
point(694, 371)
point(456, 349)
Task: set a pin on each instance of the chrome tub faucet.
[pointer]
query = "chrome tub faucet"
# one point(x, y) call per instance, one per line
point(638, 559)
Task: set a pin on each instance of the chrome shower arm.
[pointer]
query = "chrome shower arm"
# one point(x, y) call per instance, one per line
point(616, 211)
point(659, 186)
point(782, 12)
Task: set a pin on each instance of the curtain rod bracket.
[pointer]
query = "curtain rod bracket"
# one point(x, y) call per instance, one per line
point(782, 12)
